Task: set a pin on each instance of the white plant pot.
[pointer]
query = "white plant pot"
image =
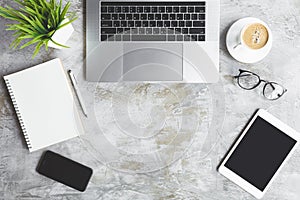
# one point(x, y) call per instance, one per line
point(62, 35)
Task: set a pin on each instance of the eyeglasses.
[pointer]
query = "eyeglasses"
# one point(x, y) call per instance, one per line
point(249, 80)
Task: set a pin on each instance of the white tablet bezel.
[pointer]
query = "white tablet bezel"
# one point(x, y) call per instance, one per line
point(239, 180)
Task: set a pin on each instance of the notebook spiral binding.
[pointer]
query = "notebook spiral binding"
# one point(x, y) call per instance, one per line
point(12, 96)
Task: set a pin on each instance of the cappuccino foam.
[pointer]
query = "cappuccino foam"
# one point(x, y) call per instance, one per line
point(255, 36)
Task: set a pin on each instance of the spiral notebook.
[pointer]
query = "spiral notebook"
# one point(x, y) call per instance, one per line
point(44, 104)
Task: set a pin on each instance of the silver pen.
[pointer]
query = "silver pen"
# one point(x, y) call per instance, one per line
point(78, 94)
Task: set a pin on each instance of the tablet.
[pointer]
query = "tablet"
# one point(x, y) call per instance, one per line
point(259, 153)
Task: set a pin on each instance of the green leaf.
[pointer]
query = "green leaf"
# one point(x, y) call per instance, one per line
point(65, 10)
point(27, 30)
point(59, 44)
point(16, 43)
point(37, 49)
point(29, 43)
point(65, 24)
point(40, 25)
point(46, 44)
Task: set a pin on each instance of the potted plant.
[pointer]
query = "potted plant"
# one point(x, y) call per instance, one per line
point(40, 23)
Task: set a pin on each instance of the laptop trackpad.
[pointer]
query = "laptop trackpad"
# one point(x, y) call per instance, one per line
point(152, 62)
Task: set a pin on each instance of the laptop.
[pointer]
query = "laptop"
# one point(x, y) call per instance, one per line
point(162, 40)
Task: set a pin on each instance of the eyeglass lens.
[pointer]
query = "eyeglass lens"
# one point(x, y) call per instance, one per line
point(248, 80)
point(273, 91)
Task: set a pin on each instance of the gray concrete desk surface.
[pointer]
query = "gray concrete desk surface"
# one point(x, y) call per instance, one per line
point(193, 175)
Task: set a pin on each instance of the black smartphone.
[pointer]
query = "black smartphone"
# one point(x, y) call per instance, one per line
point(64, 170)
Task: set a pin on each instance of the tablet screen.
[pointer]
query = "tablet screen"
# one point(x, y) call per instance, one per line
point(260, 153)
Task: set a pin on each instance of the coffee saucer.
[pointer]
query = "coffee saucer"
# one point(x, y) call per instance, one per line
point(242, 53)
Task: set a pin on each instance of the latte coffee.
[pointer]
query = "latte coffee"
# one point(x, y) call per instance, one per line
point(255, 36)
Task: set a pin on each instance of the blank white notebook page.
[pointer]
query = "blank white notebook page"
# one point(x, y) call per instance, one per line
point(45, 104)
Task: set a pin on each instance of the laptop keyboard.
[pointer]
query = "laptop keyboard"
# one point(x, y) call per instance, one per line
point(152, 21)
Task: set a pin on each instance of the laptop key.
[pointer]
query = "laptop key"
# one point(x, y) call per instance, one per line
point(138, 23)
point(199, 23)
point(126, 37)
point(143, 16)
point(162, 9)
point(150, 16)
point(140, 9)
point(147, 9)
point(191, 9)
point(169, 9)
point(202, 10)
point(201, 16)
point(110, 38)
point(148, 31)
point(186, 38)
point(123, 23)
point(174, 23)
point(118, 9)
point(194, 38)
point(145, 23)
point(126, 30)
point(183, 9)
point(125, 9)
point(176, 9)
point(165, 17)
point(181, 24)
point(152, 23)
point(171, 37)
point(177, 30)
point(185, 30)
point(188, 23)
point(116, 23)
point(172, 17)
point(187, 16)
point(166, 23)
point(121, 16)
point(170, 31)
point(115, 16)
point(179, 37)
point(120, 30)
point(103, 9)
point(111, 9)
point(163, 31)
point(106, 23)
point(108, 30)
point(159, 23)
point(128, 16)
point(155, 30)
point(157, 16)
point(154, 9)
point(194, 16)
point(197, 31)
point(201, 37)
point(136, 17)
point(179, 17)
point(199, 9)
point(149, 37)
point(132, 9)
point(134, 30)
point(141, 31)
point(103, 37)
point(118, 37)
point(105, 16)
point(130, 23)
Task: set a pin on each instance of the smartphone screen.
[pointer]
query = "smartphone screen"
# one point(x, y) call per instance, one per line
point(64, 170)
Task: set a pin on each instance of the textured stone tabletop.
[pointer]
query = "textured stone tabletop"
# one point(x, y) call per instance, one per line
point(188, 127)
